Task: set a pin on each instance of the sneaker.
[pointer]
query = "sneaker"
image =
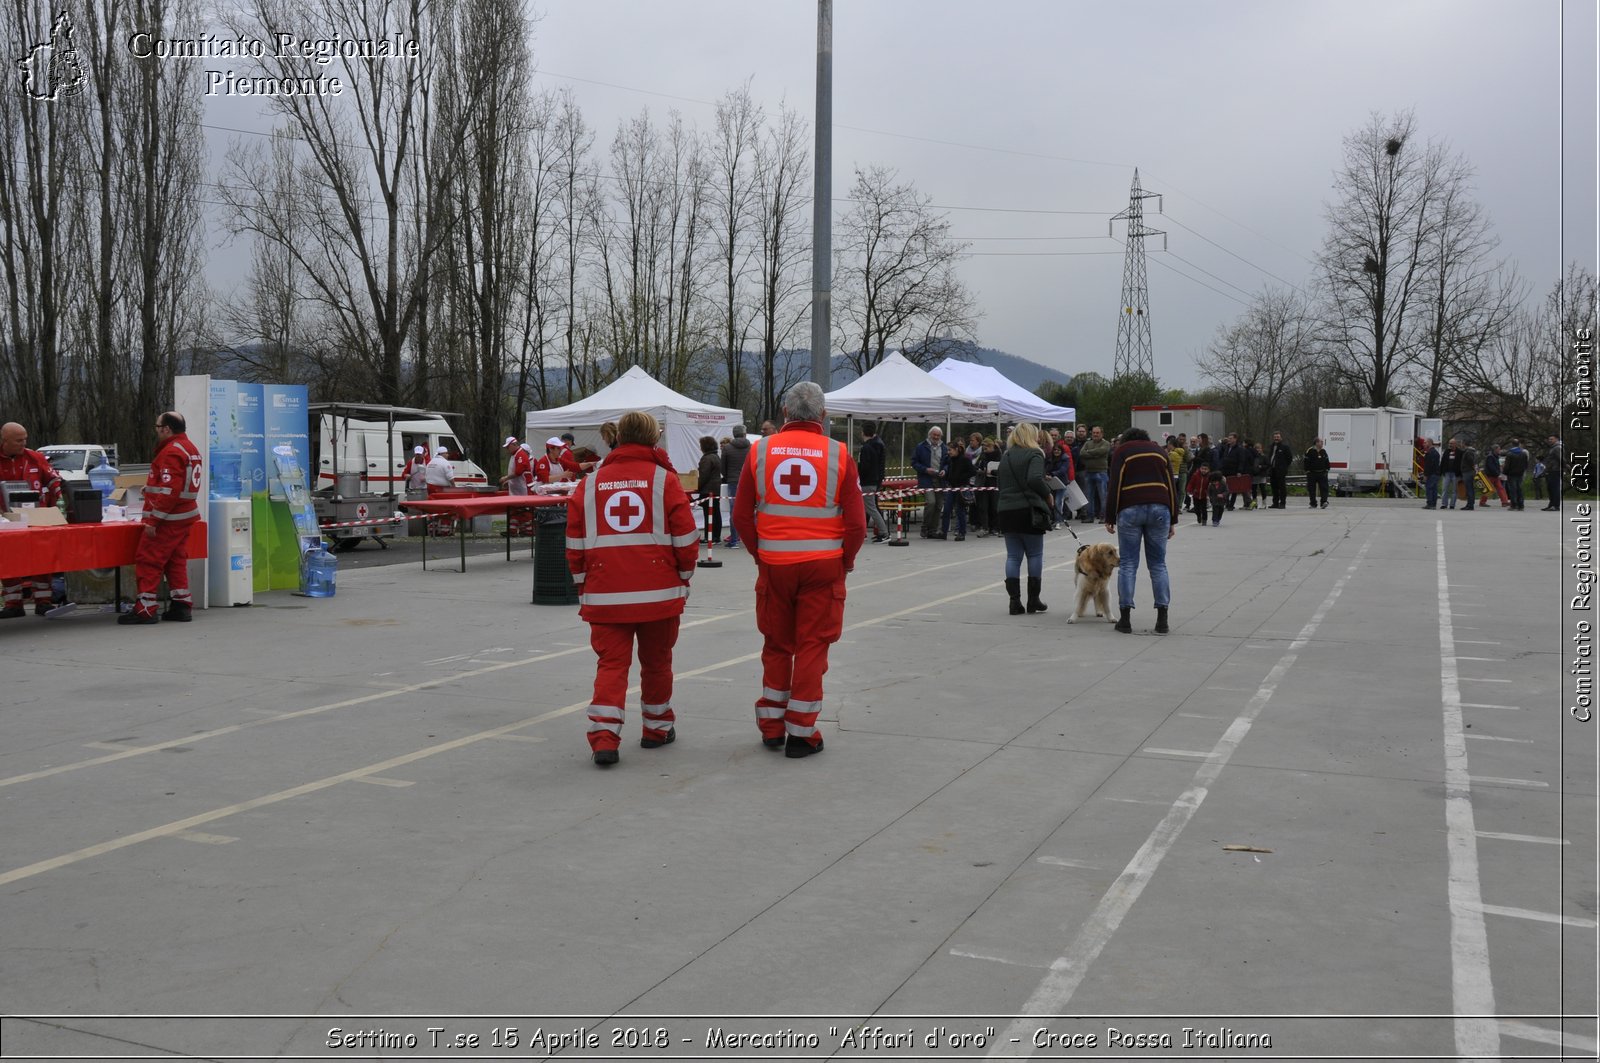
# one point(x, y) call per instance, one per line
point(137, 617)
point(799, 747)
point(880, 538)
point(657, 743)
point(604, 758)
point(11, 612)
point(773, 743)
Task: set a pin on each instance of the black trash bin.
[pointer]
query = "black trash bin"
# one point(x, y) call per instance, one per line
point(552, 580)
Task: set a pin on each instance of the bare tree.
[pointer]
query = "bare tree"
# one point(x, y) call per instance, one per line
point(781, 173)
point(896, 283)
point(37, 150)
point(1255, 362)
point(1375, 260)
point(579, 216)
point(733, 198)
point(1469, 299)
point(362, 154)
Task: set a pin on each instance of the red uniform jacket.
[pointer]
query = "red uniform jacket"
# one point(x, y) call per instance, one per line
point(172, 490)
point(800, 515)
point(542, 470)
point(33, 468)
point(631, 539)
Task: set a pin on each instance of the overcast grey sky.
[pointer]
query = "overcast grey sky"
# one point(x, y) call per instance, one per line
point(1233, 110)
point(1026, 118)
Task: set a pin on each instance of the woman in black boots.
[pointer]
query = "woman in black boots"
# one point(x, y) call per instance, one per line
point(1024, 514)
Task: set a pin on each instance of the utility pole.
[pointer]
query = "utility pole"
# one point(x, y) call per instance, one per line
point(822, 206)
point(1134, 353)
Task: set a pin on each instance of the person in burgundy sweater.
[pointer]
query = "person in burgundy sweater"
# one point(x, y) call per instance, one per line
point(1142, 508)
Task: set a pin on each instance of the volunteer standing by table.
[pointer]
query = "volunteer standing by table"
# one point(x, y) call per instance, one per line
point(518, 480)
point(631, 546)
point(799, 511)
point(18, 463)
point(171, 505)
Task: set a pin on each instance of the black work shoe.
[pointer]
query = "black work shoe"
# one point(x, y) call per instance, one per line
point(604, 758)
point(799, 747)
point(137, 617)
point(773, 743)
point(11, 612)
point(961, 538)
point(1125, 624)
point(41, 608)
point(178, 613)
point(657, 743)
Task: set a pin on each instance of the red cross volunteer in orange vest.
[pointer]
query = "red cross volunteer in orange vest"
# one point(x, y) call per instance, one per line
point(631, 545)
point(171, 505)
point(798, 509)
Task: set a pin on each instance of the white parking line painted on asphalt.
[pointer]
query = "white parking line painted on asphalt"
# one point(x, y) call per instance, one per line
point(1485, 705)
point(1067, 972)
point(1495, 780)
point(204, 838)
point(1498, 738)
point(1478, 642)
point(1199, 716)
point(965, 954)
point(1538, 917)
point(1533, 838)
point(1471, 984)
point(1201, 753)
point(1477, 679)
point(1569, 1042)
point(1501, 660)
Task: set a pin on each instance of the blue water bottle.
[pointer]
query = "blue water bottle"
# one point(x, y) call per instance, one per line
point(319, 573)
point(103, 477)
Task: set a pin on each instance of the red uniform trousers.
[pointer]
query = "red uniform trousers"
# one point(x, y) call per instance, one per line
point(800, 612)
point(13, 591)
point(166, 553)
point(613, 644)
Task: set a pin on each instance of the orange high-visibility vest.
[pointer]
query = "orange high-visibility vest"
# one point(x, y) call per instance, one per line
point(798, 472)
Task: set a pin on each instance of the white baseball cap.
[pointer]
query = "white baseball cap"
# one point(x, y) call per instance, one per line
point(554, 441)
point(419, 450)
point(511, 441)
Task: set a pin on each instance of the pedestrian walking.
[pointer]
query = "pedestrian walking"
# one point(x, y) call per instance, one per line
point(1143, 510)
point(171, 506)
point(870, 464)
point(1024, 514)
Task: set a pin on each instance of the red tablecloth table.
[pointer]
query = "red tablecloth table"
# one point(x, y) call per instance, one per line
point(464, 509)
point(73, 547)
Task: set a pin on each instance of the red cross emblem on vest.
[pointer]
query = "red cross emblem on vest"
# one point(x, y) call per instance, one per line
point(796, 480)
point(624, 511)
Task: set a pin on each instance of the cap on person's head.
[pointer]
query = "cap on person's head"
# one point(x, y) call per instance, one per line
point(511, 441)
point(419, 449)
point(554, 441)
point(738, 431)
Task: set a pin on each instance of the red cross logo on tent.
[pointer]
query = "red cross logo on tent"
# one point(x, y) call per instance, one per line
point(361, 511)
point(796, 480)
point(624, 511)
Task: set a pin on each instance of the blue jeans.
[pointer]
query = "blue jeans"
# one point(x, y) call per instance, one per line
point(1150, 523)
point(1058, 502)
point(1447, 488)
point(1098, 482)
point(1514, 491)
point(1431, 488)
point(1017, 545)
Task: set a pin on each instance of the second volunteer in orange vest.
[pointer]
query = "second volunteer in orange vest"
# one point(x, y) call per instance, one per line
point(798, 509)
point(631, 546)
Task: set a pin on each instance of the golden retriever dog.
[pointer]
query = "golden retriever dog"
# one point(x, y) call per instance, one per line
point(1092, 573)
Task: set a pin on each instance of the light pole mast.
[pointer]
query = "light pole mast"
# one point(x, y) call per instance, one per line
point(822, 206)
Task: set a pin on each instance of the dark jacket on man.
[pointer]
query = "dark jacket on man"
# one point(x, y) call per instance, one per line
point(733, 456)
point(1450, 462)
point(1281, 458)
point(929, 463)
point(1516, 464)
point(1316, 460)
point(871, 462)
point(1430, 462)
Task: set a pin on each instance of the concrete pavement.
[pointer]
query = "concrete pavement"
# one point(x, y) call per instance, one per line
point(356, 813)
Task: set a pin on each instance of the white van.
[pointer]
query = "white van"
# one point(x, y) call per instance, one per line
point(377, 445)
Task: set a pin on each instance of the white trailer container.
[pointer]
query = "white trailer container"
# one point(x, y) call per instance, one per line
point(1191, 420)
point(1373, 445)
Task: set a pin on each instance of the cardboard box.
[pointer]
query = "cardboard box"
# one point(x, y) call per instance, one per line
point(48, 517)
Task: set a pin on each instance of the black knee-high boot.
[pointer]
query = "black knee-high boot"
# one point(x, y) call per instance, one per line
point(1034, 604)
point(1014, 589)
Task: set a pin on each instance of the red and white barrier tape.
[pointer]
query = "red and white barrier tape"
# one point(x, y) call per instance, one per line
point(364, 523)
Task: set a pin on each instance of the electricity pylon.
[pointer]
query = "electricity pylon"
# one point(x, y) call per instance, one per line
point(1134, 354)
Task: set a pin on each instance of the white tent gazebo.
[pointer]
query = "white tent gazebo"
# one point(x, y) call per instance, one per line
point(683, 420)
point(989, 383)
point(896, 390)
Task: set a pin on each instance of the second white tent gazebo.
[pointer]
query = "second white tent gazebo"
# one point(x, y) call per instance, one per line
point(896, 390)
